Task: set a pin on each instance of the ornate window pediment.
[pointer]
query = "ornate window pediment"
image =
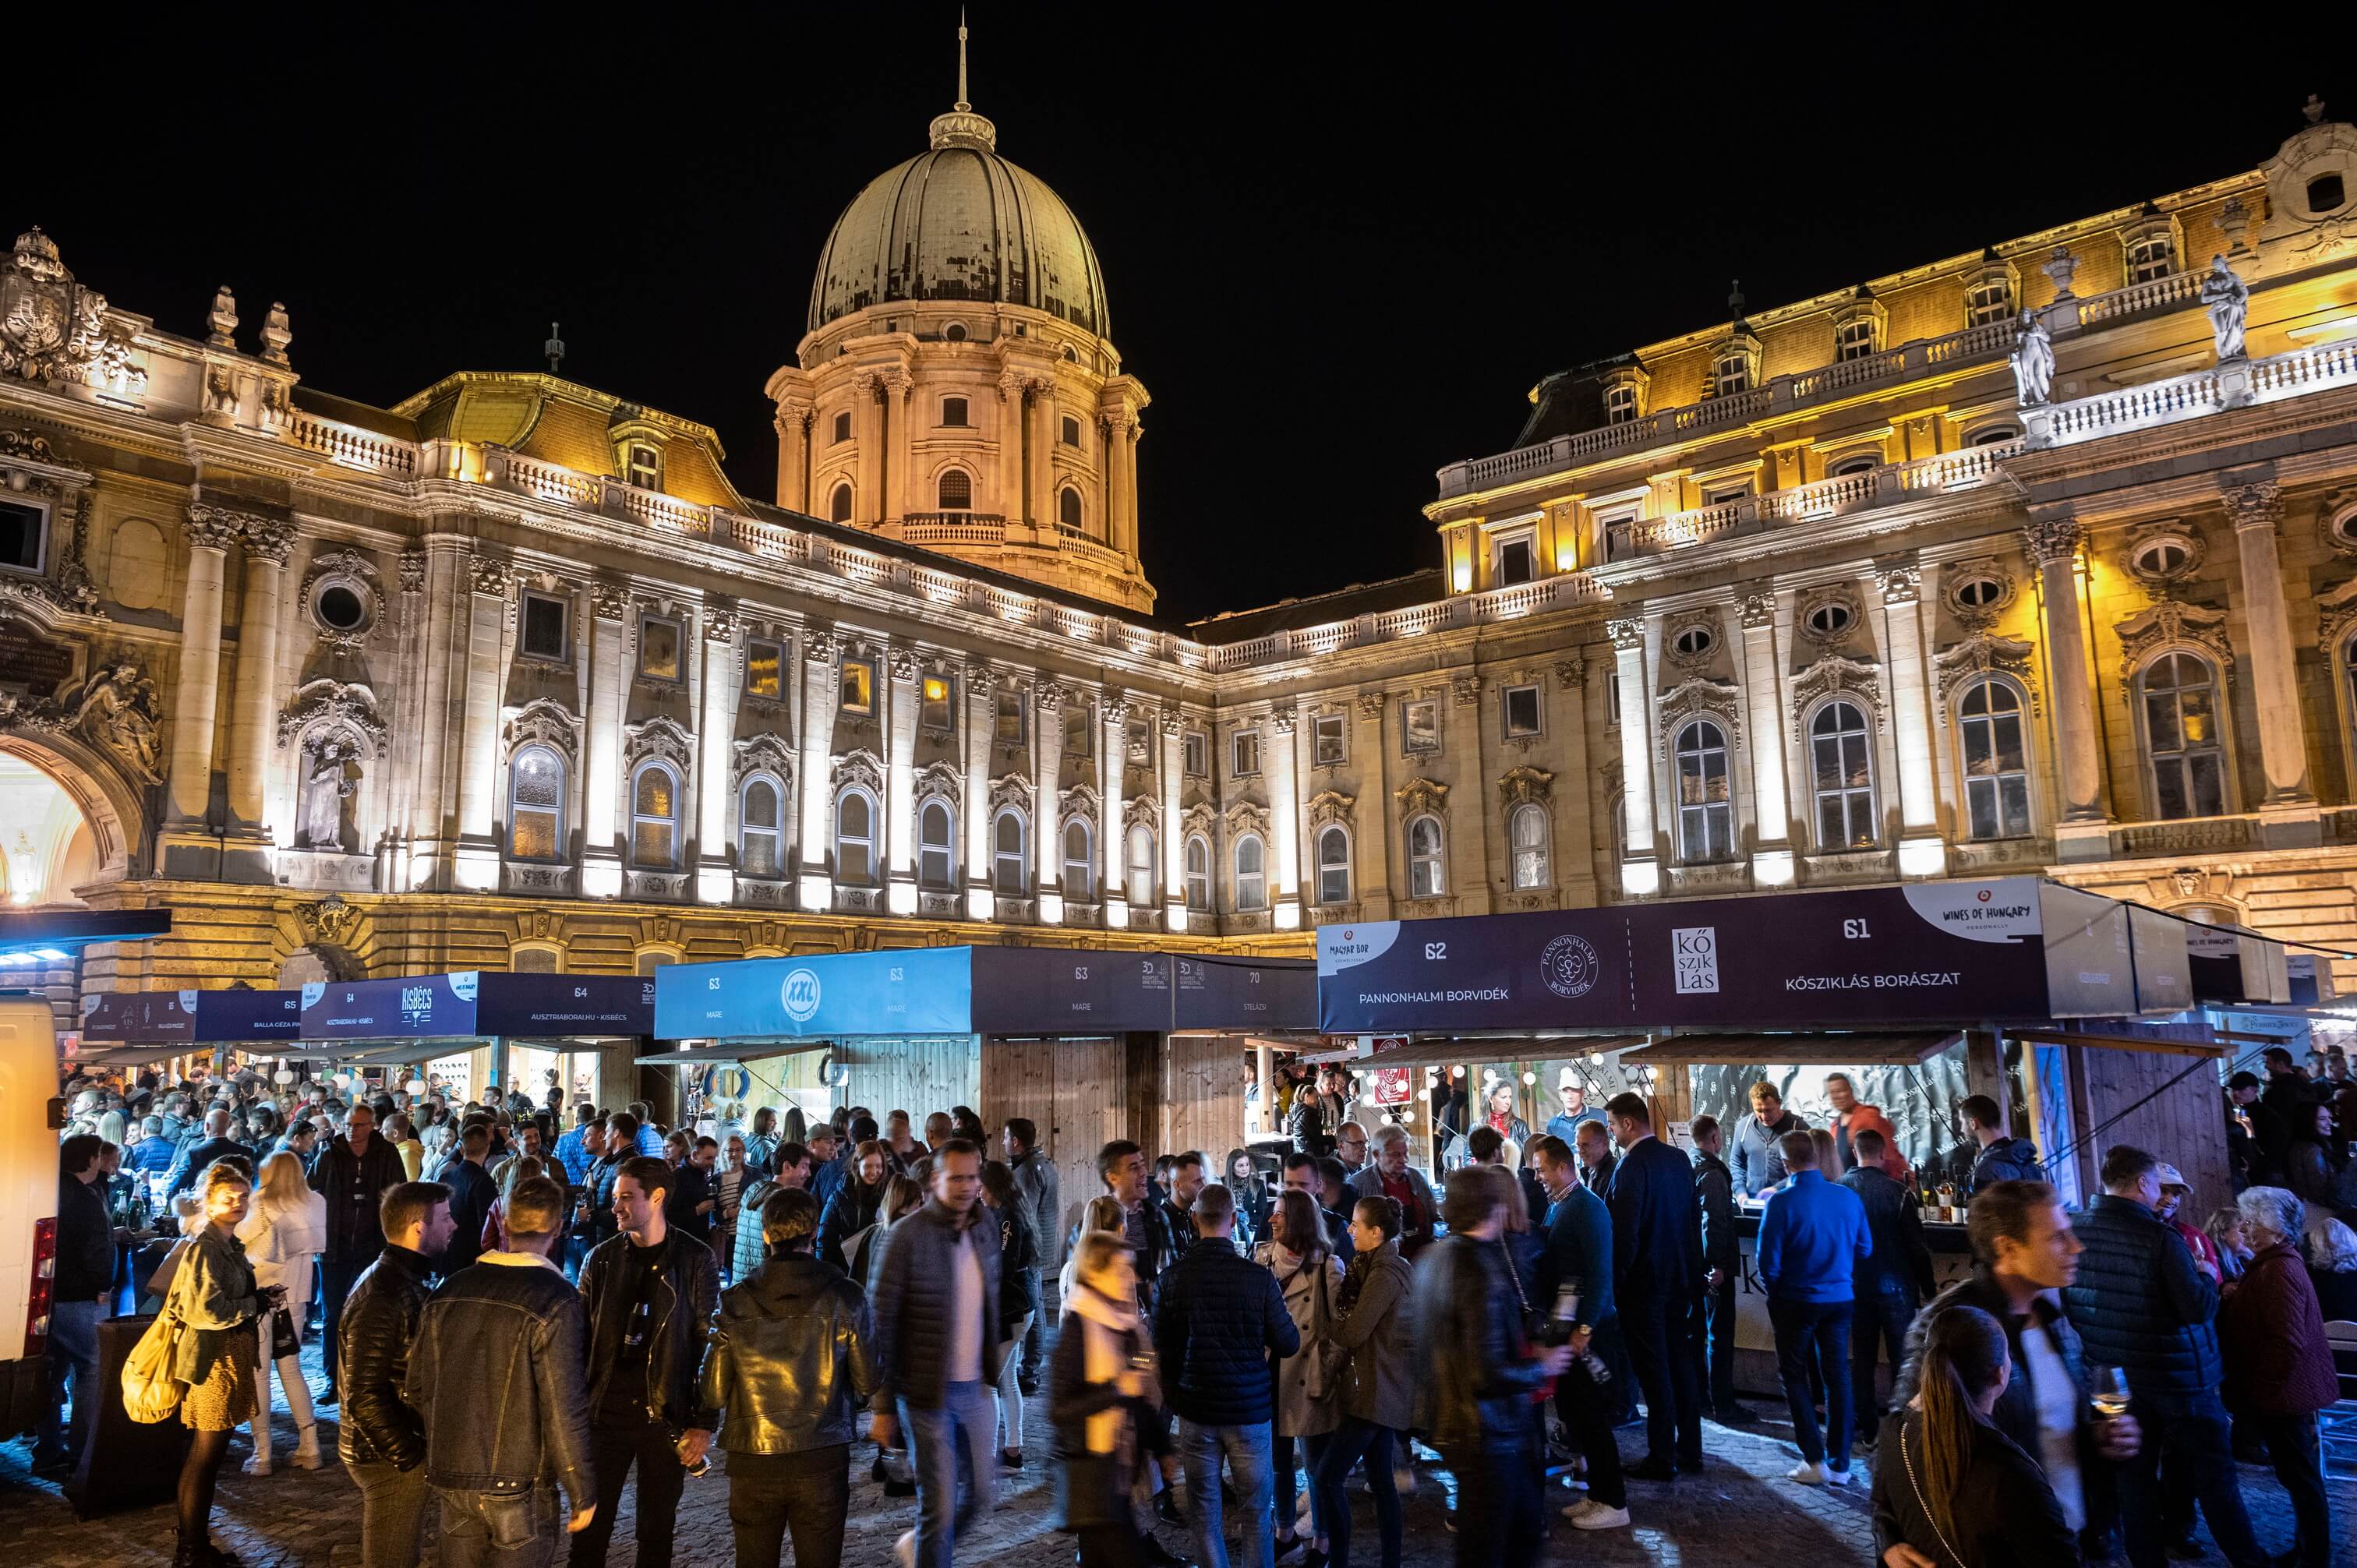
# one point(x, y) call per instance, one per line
point(332, 705)
point(1696, 698)
point(1979, 590)
point(860, 767)
point(1419, 796)
point(1009, 790)
point(2336, 612)
point(1078, 803)
point(2171, 623)
point(1835, 675)
point(543, 722)
point(1141, 810)
point(1199, 817)
point(1329, 807)
point(1985, 653)
point(2163, 554)
point(660, 739)
point(941, 781)
point(1244, 817)
point(1526, 786)
point(764, 753)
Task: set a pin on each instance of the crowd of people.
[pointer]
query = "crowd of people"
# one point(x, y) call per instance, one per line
point(526, 1307)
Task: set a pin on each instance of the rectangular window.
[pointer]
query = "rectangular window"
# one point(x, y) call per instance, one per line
point(765, 670)
point(1987, 303)
point(1328, 746)
point(1080, 733)
point(544, 634)
point(1730, 375)
point(1141, 740)
point(842, 428)
point(1612, 702)
point(24, 536)
point(1008, 724)
point(1198, 749)
point(953, 412)
point(1521, 710)
point(934, 713)
point(1513, 564)
point(658, 649)
point(1720, 494)
point(646, 466)
point(1420, 724)
point(859, 686)
point(1072, 431)
point(1243, 753)
point(1855, 340)
point(2148, 258)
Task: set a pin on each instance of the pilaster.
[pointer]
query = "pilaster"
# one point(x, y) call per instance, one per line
point(2082, 830)
point(820, 650)
point(897, 829)
point(1372, 837)
point(1172, 728)
point(188, 847)
point(476, 865)
point(1921, 851)
point(608, 639)
point(899, 445)
point(1112, 846)
point(1760, 616)
point(1285, 806)
point(2289, 815)
point(979, 734)
point(1046, 835)
point(1641, 872)
point(715, 878)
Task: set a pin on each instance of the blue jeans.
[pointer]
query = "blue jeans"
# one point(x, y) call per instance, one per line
point(1309, 1450)
point(957, 1443)
point(1246, 1450)
point(1822, 1327)
point(73, 1353)
point(499, 1530)
point(1344, 1449)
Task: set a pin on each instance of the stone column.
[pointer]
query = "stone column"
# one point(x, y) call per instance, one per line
point(980, 723)
point(715, 879)
point(1040, 403)
point(477, 863)
point(1047, 830)
point(1129, 440)
point(1763, 690)
point(2257, 513)
point(899, 824)
point(430, 793)
point(2082, 833)
point(1283, 818)
point(1116, 429)
point(793, 454)
point(868, 430)
point(900, 444)
point(1014, 431)
point(1641, 873)
point(813, 779)
point(252, 716)
point(196, 701)
point(602, 767)
point(1921, 851)
point(1113, 772)
point(1172, 840)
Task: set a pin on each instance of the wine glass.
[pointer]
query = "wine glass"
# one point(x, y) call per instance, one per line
point(2107, 1392)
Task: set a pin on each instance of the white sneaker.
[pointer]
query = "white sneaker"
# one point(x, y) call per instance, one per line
point(1590, 1514)
point(1836, 1477)
point(1807, 1475)
point(904, 1551)
point(257, 1466)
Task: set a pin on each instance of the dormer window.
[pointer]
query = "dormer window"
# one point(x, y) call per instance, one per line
point(2327, 193)
point(1855, 341)
point(1858, 326)
point(1989, 299)
point(1730, 373)
point(644, 464)
point(1620, 402)
point(2149, 246)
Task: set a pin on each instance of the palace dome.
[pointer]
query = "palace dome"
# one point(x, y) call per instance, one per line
point(960, 222)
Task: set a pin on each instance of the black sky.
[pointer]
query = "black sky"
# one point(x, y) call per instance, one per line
point(1339, 248)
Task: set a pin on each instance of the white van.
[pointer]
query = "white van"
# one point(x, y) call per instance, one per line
point(30, 1115)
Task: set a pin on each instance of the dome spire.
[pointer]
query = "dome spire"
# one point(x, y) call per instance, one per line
point(961, 127)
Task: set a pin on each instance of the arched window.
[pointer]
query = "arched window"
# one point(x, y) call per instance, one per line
point(1139, 865)
point(1997, 770)
point(1333, 866)
point(1080, 865)
point(854, 838)
point(1427, 877)
point(1199, 872)
point(1848, 465)
point(936, 833)
point(1842, 769)
point(838, 509)
point(1008, 872)
point(2180, 734)
point(1067, 507)
point(1252, 875)
point(956, 490)
point(758, 836)
point(1706, 813)
point(654, 815)
point(536, 805)
point(1528, 831)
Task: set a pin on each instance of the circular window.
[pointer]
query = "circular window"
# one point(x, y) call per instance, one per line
point(1830, 619)
point(341, 608)
point(954, 332)
point(2163, 558)
point(1979, 592)
point(1693, 641)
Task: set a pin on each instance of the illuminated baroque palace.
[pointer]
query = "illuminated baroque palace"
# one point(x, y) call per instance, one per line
point(2040, 558)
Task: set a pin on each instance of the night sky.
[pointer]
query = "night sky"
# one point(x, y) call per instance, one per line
point(1339, 249)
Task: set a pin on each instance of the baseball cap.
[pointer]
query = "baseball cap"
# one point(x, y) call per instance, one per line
point(2168, 1178)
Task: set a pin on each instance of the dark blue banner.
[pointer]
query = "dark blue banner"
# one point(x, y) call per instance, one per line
point(479, 1004)
point(197, 1017)
point(1241, 994)
point(1070, 991)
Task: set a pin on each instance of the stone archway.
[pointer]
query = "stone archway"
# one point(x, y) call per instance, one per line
point(66, 821)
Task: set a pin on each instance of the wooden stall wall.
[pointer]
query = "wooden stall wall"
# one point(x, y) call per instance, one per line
point(1078, 1093)
point(2166, 1105)
point(1202, 1101)
point(918, 1076)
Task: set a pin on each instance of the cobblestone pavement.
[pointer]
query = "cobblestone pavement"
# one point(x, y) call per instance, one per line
point(1740, 1512)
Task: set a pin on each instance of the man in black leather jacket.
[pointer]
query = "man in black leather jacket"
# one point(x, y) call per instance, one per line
point(381, 1439)
point(652, 1291)
point(792, 1359)
point(352, 1174)
point(1473, 1400)
point(497, 1373)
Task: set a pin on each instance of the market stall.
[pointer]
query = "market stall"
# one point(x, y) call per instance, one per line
point(1091, 1045)
point(464, 1030)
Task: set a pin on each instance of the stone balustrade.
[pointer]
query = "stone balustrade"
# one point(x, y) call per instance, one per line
point(1965, 468)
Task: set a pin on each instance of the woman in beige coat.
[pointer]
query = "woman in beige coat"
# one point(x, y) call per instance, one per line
point(1309, 1276)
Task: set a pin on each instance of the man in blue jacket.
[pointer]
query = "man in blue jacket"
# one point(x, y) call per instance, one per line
point(1812, 1236)
point(1578, 1261)
point(1657, 1284)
